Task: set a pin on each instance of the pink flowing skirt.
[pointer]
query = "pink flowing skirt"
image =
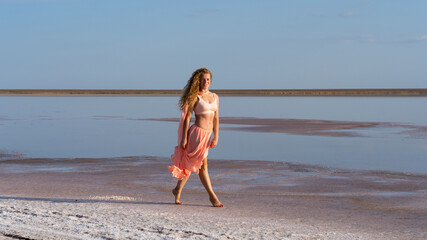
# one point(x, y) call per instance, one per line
point(185, 161)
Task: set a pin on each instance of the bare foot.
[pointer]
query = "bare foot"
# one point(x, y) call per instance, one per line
point(176, 194)
point(215, 202)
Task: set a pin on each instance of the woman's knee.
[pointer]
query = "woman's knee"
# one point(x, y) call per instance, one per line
point(204, 166)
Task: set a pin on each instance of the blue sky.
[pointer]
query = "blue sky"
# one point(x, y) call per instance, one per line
point(290, 44)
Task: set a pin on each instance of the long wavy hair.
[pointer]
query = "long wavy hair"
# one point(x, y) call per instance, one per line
point(190, 91)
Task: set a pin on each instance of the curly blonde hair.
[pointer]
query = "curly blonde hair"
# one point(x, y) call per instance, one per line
point(190, 91)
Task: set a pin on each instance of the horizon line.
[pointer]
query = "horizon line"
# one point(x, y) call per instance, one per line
point(228, 92)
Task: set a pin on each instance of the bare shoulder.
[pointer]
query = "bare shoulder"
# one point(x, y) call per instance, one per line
point(216, 98)
point(215, 95)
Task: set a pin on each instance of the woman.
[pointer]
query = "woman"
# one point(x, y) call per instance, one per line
point(194, 142)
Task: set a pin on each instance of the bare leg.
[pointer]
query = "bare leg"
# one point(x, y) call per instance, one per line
point(206, 181)
point(178, 189)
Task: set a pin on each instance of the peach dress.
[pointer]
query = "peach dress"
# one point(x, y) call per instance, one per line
point(185, 161)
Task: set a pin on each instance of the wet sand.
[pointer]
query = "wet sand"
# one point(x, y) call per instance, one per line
point(130, 197)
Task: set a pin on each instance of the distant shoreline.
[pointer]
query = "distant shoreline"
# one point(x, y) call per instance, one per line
point(414, 92)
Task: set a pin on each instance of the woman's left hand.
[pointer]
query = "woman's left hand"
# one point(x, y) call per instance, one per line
point(214, 142)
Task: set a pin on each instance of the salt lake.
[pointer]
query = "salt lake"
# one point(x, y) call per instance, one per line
point(93, 126)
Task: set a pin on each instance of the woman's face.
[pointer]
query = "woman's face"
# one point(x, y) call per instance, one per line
point(205, 81)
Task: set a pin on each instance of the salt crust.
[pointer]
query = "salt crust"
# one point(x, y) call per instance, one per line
point(113, 197)
point(90, 219)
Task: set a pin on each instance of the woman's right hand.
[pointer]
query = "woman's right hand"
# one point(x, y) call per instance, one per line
point(184, 143)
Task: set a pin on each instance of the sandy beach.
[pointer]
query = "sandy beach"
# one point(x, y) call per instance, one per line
point(130, 198)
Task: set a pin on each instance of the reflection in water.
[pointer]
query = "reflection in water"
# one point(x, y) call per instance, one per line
point(308, 127)
point(62, 127)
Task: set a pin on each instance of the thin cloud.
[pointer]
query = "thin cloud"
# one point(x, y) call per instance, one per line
point(421, 38)
point(413, 40)
point(367, 38)
point(334, 39)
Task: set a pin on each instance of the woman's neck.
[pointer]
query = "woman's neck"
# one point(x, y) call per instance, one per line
point(203, 91)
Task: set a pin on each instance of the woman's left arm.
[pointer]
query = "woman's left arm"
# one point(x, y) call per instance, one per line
point(214, 141)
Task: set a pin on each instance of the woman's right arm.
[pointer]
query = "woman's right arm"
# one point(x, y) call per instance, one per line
point(186, 125)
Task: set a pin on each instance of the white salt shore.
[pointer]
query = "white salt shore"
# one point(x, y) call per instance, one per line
point(41, 219)
point(130, 198)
